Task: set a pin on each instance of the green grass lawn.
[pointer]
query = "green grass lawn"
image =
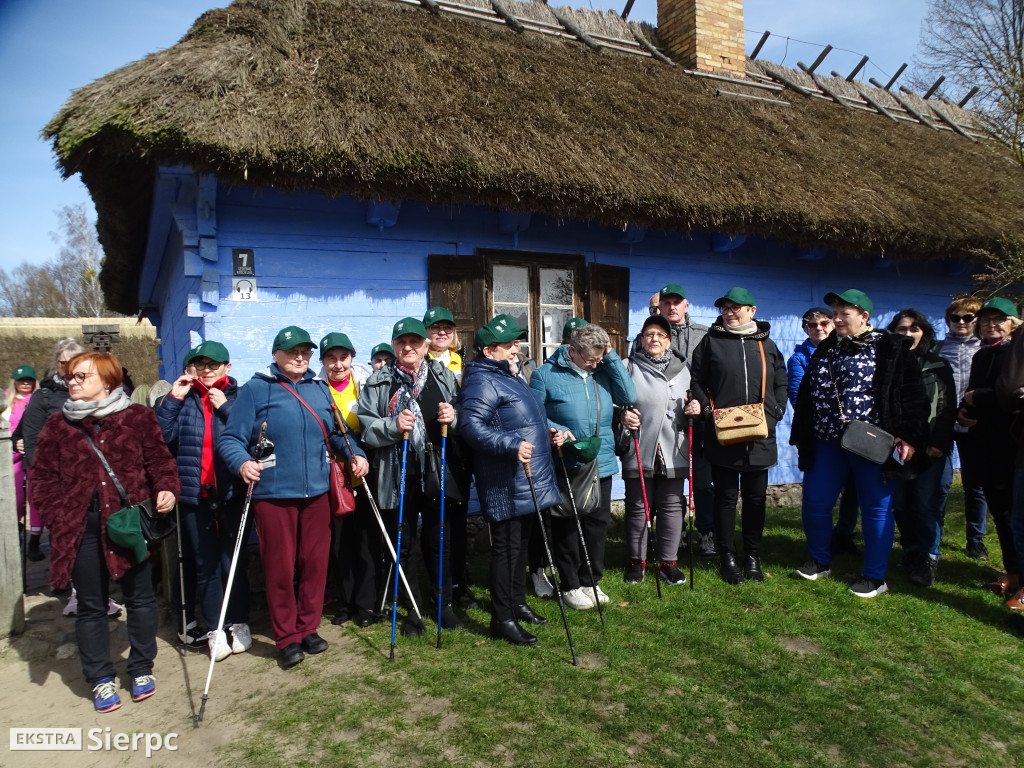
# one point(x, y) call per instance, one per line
point(785, 673)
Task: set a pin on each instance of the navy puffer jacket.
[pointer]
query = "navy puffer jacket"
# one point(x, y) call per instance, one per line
point(184, 429)
point(499, 411)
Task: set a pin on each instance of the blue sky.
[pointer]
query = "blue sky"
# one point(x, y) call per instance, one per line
point(48, 48)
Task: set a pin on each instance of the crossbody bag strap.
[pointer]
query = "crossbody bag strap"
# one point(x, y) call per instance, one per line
point(764, 370)
point(318, 420)
point(106, 466)
point(597, 432)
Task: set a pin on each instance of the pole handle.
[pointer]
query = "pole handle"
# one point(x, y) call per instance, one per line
point(405, 435)
point(527, 469)
point(337, 418)
point(444, 430)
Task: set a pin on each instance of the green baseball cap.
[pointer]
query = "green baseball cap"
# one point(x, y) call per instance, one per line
point(499, 330)
point(437, 315)
point(291, 337)
point(408, 325)
point(125, 529)
point(737, 295)
point(24, 372)
point(1000, 304)
point(386, 348)
point(189, 357)
point(672, 289)
point(572, 324)
point(213, 350)
point(851, 296)
point(335, 339)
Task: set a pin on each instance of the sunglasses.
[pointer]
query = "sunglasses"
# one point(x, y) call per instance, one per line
point(654, 310)
point(819, 324)
point(968, 318)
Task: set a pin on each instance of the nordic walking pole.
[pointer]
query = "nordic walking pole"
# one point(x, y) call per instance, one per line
point(380, 522)
point(689, 496)
point(181, 573)
point(440, 557)
point(651, 545)
point(398, 548)
point(551, 561)
point(579, 530)
point(263, 449)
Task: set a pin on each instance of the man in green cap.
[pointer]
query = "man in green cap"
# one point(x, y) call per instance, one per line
point(406, 403)
point(870, 376)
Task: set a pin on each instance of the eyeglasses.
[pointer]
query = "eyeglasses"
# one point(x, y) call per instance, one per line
point(968, 318)
point(819, 324)
point(731, 309)
point(650, 336)
point(992, 319)
point(209, 365)
point(81, 377)
point(654, 310)
point(298, 352)
point(65, 362)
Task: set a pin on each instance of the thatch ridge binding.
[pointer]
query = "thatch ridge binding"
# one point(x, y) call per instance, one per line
point(373, 98)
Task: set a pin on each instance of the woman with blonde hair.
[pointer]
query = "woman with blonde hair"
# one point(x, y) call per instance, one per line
point(18, 394)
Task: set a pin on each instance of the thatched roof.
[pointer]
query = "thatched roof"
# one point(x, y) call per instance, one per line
point(376, 98)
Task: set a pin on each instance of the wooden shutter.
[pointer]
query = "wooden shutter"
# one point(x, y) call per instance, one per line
point(608, 302)
point(459, 283)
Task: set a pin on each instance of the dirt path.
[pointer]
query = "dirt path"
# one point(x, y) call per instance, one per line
point(43, 686)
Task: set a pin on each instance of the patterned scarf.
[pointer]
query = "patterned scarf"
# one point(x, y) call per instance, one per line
point(851, 345)
point(661, 363)
point(406, 398)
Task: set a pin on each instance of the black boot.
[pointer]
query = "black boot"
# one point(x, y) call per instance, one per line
point(448, 618)
point(35, 554)
point(526, 613)
point(752, 567)
point(729, 570)
point(511, 632)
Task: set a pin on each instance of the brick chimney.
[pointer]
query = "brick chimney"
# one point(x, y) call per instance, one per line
point(704, 34)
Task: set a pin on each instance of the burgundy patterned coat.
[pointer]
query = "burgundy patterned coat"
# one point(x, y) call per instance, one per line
point(66, 471)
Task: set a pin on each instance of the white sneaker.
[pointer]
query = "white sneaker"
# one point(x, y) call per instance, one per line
point(113, 608)
point(218, 642)
point(72, 607)
point(600, 594)
point(542, 586)
point(241, 638)
point(580, 598)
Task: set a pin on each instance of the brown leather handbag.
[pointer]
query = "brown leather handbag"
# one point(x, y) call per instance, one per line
point(743, 423)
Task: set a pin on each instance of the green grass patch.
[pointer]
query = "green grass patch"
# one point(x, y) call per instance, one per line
point(785, 673)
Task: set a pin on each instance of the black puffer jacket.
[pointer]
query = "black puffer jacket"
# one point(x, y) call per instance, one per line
point(991, 440)
point(899, 397)
point(726, 369)
point(47, 400)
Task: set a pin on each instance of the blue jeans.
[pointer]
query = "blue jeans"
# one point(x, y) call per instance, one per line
point(975, 507)
point(919, 507)
point(822, 484)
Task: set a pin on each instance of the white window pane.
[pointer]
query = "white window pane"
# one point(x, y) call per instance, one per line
point(552, 321)
point(511, 284)
point(556, 286)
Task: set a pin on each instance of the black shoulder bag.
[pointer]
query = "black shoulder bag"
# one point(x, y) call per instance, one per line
point(862, 438)
point(585, 479)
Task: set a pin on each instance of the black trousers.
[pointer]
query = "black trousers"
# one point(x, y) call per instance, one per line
point(355, 551)
point(428, 537)
point(508, 563)
point(728, 483)
point(92, 627)
point(569, 559)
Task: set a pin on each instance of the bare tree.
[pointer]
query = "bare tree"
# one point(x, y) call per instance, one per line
point(65, 286)
point(980, 43)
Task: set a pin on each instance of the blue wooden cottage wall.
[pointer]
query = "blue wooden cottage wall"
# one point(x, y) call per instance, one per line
point(322, 266)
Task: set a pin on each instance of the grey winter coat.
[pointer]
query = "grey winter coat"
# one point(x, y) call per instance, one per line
point(660, 398)
point(378, 430)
